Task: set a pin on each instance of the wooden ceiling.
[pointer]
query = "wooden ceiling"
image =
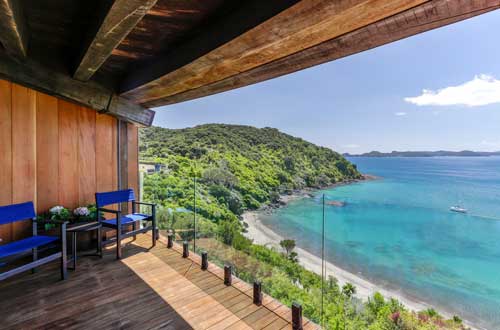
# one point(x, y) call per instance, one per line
point(125, 56)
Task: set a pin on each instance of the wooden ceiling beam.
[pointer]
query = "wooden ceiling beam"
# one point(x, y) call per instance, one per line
point(121, 18)
point(217, 32)
point(416, 20)
point(14, 32)
point(303, 25)
point(89, 94)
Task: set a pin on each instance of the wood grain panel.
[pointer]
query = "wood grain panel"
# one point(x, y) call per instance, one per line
point(5, 153)
point(47, 152)
point(133, 158)
point(114, 152)
point(86, 155)
point(23, 152)
point(53, 152)
point(105, 159)
point(68, 154)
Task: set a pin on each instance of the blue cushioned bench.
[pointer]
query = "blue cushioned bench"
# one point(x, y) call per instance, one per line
point(31, 245)
point(119, 221)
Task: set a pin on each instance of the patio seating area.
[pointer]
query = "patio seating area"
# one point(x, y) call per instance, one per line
point(148, 288)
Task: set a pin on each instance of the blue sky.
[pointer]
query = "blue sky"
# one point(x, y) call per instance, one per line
point(375, 100)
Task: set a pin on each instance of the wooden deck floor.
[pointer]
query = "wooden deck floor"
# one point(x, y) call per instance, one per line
point(147, 289)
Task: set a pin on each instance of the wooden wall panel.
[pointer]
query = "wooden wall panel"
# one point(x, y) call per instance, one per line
point(68, 154)
point(133, 158)
point(23, 152)
point(105, 159)
point(86, 155)
point(53, 152)
point(47, 152)
point(114, 152)
point(5, 153)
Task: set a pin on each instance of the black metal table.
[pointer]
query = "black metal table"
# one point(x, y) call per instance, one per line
point(82, 228)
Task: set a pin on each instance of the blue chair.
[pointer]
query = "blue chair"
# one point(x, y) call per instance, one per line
point(119, 221)
point(31, 245)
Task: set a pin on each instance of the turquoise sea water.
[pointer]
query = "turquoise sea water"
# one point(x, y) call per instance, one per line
point(398, 231)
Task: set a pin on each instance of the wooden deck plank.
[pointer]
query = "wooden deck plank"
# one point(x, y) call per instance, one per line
point(149, 288)
point(277, 324)
point(261, 318)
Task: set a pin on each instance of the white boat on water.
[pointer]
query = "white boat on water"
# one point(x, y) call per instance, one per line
point(458, 209)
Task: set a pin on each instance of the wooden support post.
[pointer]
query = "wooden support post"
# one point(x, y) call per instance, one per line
point(185, 249)
point(296, 316)
point(170, 240)
point(228, 279)
point(204, 260)
point(257, 293)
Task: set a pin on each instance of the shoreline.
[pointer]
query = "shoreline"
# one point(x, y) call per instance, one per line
point(263, 235)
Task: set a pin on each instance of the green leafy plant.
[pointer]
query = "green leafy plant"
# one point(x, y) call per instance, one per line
point(59, 213)
point(85, 213)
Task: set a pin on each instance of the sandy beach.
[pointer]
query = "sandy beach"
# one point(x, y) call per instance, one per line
point(262, 235)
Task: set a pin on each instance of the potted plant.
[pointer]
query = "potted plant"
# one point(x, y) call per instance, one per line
point(81, 215)
point(55, 213)
point(85, 213)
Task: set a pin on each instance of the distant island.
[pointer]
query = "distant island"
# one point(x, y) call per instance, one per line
point(440, 153)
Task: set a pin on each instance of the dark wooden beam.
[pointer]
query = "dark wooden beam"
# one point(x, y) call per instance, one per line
point(89, 94)
point(301, 26)
point(428, 16)
point(246, 16)
point(13, 35)
point(121, 18)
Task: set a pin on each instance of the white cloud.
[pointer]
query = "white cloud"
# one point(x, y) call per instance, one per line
point(352, 146)
point(481, 90)
point(400, 113)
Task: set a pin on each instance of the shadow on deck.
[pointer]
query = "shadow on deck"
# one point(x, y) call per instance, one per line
point(148, 289)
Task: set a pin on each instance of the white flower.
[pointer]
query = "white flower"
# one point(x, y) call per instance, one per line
point(81, 211)
point(56, 209)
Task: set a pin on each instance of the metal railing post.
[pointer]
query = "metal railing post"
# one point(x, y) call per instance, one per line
point(204, 260)
point(185, 249)
point(170, 240)
point(296, 316)
point(257, 293)
point(227, 275)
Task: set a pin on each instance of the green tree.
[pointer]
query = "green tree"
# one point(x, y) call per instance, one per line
point(227, 230)
point(349, 290)
point(288, 245)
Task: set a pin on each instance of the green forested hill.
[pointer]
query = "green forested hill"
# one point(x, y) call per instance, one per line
point(238, 167)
